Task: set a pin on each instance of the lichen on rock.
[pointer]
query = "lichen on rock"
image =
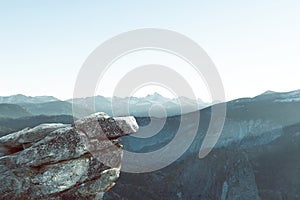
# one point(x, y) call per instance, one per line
point(57, 161)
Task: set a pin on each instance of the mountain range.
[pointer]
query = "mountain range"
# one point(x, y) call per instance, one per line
point(154, 105)
point(21, 99)
point(256, 156)
point(21, 105)
point(26, 110)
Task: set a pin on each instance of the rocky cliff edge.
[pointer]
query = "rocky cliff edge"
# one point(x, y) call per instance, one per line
point(57, 161)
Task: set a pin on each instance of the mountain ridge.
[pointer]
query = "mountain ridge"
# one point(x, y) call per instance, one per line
point(20, 98)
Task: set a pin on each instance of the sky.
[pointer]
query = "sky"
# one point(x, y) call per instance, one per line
point(255, 45)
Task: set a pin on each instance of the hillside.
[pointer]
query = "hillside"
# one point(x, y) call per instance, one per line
point(256, 156)
point(54, 108)
point(13, 111)
point(8, 125)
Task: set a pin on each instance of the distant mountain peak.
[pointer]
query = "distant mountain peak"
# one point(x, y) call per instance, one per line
point(18, 95)
point(21, 99)
point(156, 97)
point(268, 92)
point(155, 94)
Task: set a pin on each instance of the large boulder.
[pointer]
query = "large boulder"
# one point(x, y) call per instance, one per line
point(57, 161)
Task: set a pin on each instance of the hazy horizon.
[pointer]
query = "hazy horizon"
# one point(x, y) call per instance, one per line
point(143, 96)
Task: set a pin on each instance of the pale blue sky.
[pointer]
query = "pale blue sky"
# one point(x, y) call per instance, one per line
point(254, 44)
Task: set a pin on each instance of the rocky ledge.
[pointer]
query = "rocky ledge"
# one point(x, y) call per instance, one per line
point(57, 161)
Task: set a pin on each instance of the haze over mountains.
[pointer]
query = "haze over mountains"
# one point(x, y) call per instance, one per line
point(154, 105)
point(256, 156)
point(17, 108)
point(48, 105)
point(22, 99)
point(21, 106)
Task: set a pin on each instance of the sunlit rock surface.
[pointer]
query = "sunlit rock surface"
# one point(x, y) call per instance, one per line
point(57, 161)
